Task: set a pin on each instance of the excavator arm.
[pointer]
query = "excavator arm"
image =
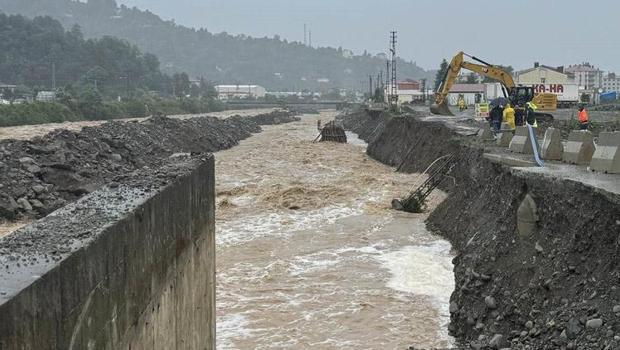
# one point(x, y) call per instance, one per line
point(458, 62)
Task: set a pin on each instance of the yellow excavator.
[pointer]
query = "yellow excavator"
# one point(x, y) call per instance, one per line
point(518, 96)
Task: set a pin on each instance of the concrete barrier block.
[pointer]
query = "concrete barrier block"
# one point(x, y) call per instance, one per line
point(606, 158)
point(485, 133)
point(552, 148)
point(580, 148)
point(504, 138)
point(521, 142)
point(506, 127)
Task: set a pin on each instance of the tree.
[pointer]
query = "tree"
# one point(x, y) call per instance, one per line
point(96, 76)
point(90, 104)
point(181, 84)
point(76, 32)
point(472, 78)
point(208, 90)
point(443, 68)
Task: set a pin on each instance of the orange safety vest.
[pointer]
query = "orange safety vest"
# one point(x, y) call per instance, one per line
point(583, 116)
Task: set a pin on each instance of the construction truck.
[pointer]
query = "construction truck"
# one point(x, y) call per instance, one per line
point(518, 96)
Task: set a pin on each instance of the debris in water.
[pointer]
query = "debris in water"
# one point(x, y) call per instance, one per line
point(332, 132)
point(416, 201)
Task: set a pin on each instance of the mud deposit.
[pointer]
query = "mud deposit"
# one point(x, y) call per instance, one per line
point(40, 175)
point(309, 254)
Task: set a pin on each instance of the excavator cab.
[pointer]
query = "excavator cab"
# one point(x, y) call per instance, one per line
point(520, 95)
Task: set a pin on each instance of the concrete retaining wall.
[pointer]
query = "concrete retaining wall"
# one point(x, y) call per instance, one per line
point(131, 266)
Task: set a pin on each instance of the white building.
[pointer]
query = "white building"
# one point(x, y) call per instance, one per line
point(471, 92)
point(46, 96)
point(409, 91)
point(227, 92)
point(611, 82)
point(586, 75)
point(542, 74)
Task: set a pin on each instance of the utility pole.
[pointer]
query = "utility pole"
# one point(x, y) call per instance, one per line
point(394, 87)
point(310, 38)
point(305, 35)
point(370, 90)
point(387, 80)
point(53, 76)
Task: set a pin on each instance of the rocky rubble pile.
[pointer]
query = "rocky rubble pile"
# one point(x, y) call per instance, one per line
point(40, 175)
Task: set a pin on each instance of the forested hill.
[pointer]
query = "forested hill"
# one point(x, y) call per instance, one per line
point(39, 51)
point(221, 58)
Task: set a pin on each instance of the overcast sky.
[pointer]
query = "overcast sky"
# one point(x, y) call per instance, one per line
point(516, 32)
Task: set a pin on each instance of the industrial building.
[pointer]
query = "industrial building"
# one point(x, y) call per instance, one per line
point(228, 92)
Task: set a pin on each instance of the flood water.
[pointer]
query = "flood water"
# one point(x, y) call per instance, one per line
point(310, 255)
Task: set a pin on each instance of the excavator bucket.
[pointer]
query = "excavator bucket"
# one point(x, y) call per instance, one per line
point(441, 109)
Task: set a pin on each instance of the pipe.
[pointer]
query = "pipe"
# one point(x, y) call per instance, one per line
point(530, 130)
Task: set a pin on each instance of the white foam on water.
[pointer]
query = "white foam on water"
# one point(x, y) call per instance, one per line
point(424, 270)
point(364, 250)
point(278, 224)
point(312, 263)
point(230, 327)
point(353, 139)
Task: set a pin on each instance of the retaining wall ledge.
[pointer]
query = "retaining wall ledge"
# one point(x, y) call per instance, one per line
point(130, 266)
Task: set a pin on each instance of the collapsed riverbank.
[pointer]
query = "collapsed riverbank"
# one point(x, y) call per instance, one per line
point(41, 175)
point(555, 286)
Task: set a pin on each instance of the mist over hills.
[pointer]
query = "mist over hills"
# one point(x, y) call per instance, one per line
point(221, 58)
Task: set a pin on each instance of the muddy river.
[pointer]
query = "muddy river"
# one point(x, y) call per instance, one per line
point(310, 255)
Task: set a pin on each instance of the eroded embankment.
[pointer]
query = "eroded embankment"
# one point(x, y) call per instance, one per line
point(40, 175)
point(556, 287)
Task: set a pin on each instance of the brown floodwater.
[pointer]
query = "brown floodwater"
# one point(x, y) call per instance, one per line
point(311, 256)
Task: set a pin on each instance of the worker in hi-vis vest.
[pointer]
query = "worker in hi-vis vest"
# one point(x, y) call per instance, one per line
point(530, 117)
point(583, 118)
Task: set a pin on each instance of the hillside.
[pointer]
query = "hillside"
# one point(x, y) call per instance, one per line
point(221, 58)
point(33, 50)
point(94, 78)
